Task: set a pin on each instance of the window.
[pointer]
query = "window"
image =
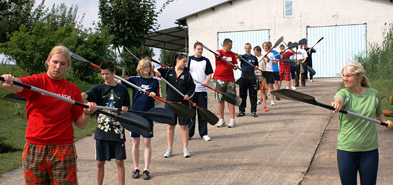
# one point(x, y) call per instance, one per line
point(288, 8)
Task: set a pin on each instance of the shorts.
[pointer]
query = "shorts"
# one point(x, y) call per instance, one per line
point(229, 87)
point(285, 73)
point(293, 73)
point(271, 79)
point(261, 82)
point(276, 76)
point(151, 128)
point(49, 164)
point(181, 120)
point(107, 150)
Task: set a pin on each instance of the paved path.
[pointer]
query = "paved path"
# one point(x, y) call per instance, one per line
point(293, 143)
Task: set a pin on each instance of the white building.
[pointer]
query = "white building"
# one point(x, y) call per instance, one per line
point(348, 27)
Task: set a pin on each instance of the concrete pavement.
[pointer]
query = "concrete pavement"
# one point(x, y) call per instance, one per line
point(292, 143)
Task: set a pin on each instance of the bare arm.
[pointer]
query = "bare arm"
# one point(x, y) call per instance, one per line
point(337, 104)
point(382, 118)
point(83, 120)
point(84, 97)
point(8, 85)
point(208, 77)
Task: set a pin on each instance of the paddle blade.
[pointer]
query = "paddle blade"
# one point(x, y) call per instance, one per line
point(232, 98)
point(207, 115)
point(14, 98)
point(161, 115)
point(302, 41)
point(266, 74)
point(278, 41)
point(181, 110)
point(135, 123)
point(293, 45)
point(289, 62)
point(312, 71)
point(249, 74)
point(294, 95)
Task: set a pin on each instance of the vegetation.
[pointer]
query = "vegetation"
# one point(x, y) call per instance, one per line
point(379, 64)
point(167, 57)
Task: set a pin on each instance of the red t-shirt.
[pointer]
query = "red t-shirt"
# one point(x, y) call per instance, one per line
point(224, 71)
point(49, 120)
point(287, 55)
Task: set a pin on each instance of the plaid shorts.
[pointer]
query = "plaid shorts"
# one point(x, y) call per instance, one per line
point(49, 164)
point(285, 73)
point(222, 86)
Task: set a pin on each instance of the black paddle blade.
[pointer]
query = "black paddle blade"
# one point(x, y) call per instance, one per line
point(266, 74)
point(135, 123)
point(232, 98)
point(289, 62)
point(161, 115)
point(249, 74)
point(278, 41)
point(302, 41)
point(181, 110)
point(293, 45)
point(312, 71)
point(14, 98)
point(211, 118)
point(294, 95)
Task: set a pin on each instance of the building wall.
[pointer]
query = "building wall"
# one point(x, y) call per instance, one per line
point(263, 14)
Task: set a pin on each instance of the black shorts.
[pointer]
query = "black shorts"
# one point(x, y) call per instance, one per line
point(107, 150)
point(276, 76)
point(271, 79)
point(182, 121)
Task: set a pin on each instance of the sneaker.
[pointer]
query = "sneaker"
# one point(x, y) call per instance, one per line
point(293, 88)
point(186, 153)
point(311, 80)
point(259, 101)
point(254, 114)
point(272, 103)
point(189, 138)
point(278, 98)
point(220, 123)
point(135, 173)
point(241, 114)
point(146, 175)
point(303, 85)
point(206, 138)
point(232, 123)
point(286, 88)
point(168, 153)
point(265, 108)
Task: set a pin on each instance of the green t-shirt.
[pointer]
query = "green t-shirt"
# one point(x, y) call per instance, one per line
point(356, 134)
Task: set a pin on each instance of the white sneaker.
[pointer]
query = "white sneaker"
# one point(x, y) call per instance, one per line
point(293, 88)
point(186, 153)
point(311, 80)
point(220, 123)
point(286, 87)
point(168, 153)
point(206, 138)
point(232, 123)
point(259, 101)
point(272, 103)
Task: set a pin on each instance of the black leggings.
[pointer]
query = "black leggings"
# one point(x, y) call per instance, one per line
point(349, 163)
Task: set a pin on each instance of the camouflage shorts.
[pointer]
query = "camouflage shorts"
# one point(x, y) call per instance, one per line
point(222, 86)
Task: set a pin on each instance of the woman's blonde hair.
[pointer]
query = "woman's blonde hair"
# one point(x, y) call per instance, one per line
point(144, 62)
point(355, 68)
point(60, 50)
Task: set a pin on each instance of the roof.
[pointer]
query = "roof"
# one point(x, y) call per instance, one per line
point(183, 20)
point(174, 39)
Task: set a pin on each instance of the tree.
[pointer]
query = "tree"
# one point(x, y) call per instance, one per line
point(167, 57)
point(130, 63)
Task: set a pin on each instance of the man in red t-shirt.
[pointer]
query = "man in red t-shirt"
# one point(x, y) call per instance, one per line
point(49, 155)
point(224, 80)
point(285, 69)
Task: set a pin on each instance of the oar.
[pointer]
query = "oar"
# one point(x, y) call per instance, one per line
point(155, 61)
point(130, 121)
point(298, 96)
point(279, 40)
point(312, 71)
point(229, 97)
point(248, 74)
point(289, 62)
point(14, 98)
point(265, 74)
point(206, 114)
point(309, 51)
point(179, 109)
point(160, 115)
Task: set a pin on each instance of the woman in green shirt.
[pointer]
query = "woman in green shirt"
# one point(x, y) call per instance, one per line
point(357, 140)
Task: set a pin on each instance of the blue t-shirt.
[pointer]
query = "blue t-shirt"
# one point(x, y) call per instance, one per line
point(277, 57)
point(247, 67)
point(140, 100)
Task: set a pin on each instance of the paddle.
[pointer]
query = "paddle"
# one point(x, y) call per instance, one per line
point(248, 74)
point(206, 114)
point(155, 61)
point(289, 62)
point(14, 98)
point(160, 115)
point(179, 109)
point(229, 97)
point(279, 40)
point(130, 121)
point(309, 51)
point(265, 74)
point(298, 96)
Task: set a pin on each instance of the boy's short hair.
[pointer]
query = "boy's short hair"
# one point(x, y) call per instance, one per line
point(198, 44)
point(227, 41)
point(257, 48)
point(107, 64)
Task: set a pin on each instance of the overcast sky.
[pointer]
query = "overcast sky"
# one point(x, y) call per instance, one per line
point(175, 10)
